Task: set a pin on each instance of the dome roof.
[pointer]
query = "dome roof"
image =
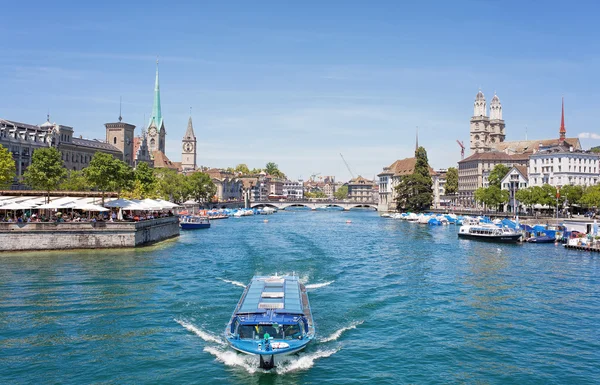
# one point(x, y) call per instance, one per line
point(495, 99)
point(480, 96)
point(47, 124)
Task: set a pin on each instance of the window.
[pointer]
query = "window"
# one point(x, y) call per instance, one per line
point(115, 140)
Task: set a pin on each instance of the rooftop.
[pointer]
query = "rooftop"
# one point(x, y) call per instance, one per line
point(281, 294)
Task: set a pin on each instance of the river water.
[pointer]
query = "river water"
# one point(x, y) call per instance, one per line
point(393, 303)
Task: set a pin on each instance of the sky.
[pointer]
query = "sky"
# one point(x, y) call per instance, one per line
point(299, 83)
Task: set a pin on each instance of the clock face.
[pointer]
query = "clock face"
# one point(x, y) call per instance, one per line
point(152, 131)
point(187, 147)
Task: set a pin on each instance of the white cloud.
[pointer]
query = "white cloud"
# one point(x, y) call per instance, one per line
point(588, 135)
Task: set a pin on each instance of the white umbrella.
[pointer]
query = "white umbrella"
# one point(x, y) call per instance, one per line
point(91, 207)
point(16, 206)
point(167, 204)
point(125, 204)
point(57, 205)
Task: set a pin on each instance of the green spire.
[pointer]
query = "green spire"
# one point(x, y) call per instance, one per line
point(156, 113)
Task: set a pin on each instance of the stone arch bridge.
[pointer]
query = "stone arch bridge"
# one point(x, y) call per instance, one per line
point(314, 205)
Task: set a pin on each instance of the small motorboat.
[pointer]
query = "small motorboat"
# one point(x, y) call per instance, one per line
point(271, 320)
point(192, 222)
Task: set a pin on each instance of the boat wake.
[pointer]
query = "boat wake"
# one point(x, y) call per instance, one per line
point(201, 333)
point(318, 285)
point(232, 358)
point(338, 333)
point(236, 283)
point(303, 361)
point(250, 364)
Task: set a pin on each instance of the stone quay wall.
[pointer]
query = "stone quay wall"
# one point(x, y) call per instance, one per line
point(85, 235)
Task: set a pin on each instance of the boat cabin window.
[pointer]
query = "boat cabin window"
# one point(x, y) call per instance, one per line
point(257, 332)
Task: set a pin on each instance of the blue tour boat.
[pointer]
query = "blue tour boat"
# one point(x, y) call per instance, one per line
point(272, 319)
point(191, 222)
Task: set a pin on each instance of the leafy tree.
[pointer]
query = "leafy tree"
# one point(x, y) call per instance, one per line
point(136, 191)
point(414, 192)
point(272, 169)
point(242, 169)
point(497, 174)
point(107, 173)
point(451, 181)
point(591, 196)
point(255, 171)
point(172, 186)
point(491, 196)
point(7, 167)
point(572, 194)
point(230, 170)
point(595, 149)
point(525, 197)
point(46, 171)
point(75, 181)
point(202, 187)
point(341, 193)
point(145, 176)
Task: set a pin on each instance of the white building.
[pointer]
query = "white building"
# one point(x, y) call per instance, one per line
point(293, 189)
point(513, 181)
point(559, 166)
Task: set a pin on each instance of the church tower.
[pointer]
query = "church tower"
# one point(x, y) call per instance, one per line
point(563, 131)
point(497, 134)
point(480, 125)
point(156, 126)
point(188, 155)
point(120, 135)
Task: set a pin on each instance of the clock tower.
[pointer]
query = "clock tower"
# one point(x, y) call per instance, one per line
point(188, 155)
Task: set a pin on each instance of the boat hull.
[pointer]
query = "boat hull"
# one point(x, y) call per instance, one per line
point(194, 226)
point(269, 361)
point(512, 238)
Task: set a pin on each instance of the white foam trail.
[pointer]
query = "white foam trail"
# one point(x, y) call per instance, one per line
point(319, 285)
point(338, 333)
point(200, 333)
point(236, 283)
point(303, 361)
point(231, 358)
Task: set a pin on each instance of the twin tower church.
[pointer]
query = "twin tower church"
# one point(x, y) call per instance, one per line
point(150, 146)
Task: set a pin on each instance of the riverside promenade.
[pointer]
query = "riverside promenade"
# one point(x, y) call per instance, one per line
point(85, 235)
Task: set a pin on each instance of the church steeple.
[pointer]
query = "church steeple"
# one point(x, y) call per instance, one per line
point(189, 133)
point(563, 131)
point(156, 112)
point(417, 141)
point(188, 155)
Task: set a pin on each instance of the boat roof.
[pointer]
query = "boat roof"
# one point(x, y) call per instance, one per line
point(279, 294)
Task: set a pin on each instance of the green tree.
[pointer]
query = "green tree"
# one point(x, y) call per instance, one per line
point(572, 194)
point(7, 167)
point(591, 196)
point(497, 174)
point(46, 171)
point(75, 181)
point(491, 196)
point(242, 169)
point(172, 186)
point(272, 169)
point(145, 176)
point(414, 192)
point(341, 193)
point(525, 197)
point(451, 187)
point(107, 173)
point(202, 187)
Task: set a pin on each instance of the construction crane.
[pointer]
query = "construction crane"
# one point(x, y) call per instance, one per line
point(313, 175)
point(462, 149)
point(348, 167)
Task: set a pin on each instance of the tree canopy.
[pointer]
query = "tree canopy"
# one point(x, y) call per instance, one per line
point(451, 187)
point(497, 174)
point(75, 181)
point(272, 169)
point(414, 192)
point(46, 171)
point(341, 193)
point(7, 167)
point(144, 176)
point(242, 169)
point(107, 173)
point(202, 188)
point(491, 196)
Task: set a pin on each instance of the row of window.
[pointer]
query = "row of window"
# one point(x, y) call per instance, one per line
point(573, 169)
point(564, 160)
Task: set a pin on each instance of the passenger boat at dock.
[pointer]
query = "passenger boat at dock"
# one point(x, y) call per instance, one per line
point(192, 222)
point(489, 232)
point(271, 320)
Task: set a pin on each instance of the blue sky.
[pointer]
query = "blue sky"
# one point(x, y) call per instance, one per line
point(297, 84)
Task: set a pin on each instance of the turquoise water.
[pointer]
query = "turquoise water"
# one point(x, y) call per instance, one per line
point(393, 302)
